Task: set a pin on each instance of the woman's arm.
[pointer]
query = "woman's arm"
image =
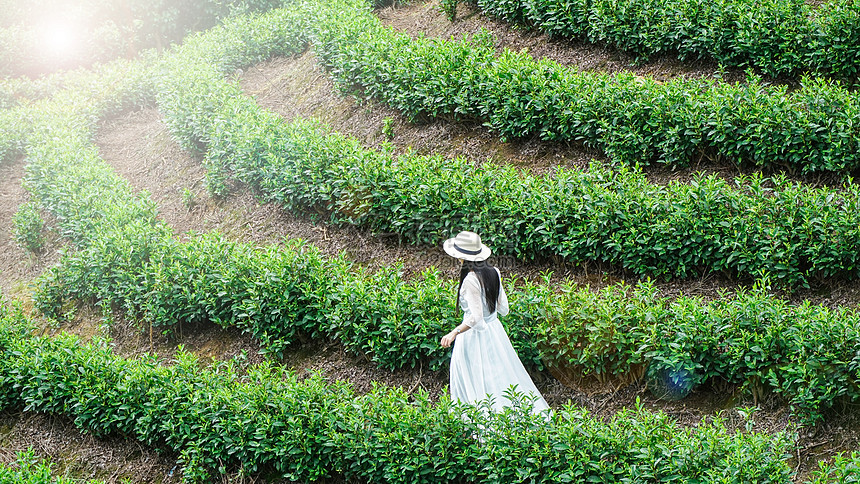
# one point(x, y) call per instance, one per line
point(471, 293)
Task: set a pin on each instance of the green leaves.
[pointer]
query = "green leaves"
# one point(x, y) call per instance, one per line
point(28, 469)
point(263, 420)
point(27, 225)
point(777, 37)
point(633, 119)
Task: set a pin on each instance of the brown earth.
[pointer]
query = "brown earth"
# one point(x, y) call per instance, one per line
point(140, 149)
point(18, 266)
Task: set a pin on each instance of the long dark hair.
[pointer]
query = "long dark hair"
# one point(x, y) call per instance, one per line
point(487, 276)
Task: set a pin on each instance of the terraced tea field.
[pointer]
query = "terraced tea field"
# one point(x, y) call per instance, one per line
point(223, 260)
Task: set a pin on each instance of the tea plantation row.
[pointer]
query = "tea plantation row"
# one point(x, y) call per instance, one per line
point(777, 37)
point(612, 215)
point(262, 420)
point(633, 119)
point(129, 260)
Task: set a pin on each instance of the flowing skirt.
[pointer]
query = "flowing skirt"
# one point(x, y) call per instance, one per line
point(485, 363)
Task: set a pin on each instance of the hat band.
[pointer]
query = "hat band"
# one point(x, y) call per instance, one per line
point(465, 251)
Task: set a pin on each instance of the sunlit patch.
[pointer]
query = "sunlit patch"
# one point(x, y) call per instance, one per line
point(60, 40)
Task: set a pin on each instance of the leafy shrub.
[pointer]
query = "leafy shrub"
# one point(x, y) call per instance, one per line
point(263, 420)
point(28, 469)
point(449, 8)
point(776, 37)
point(27, 226)
point(633, 119)
point(843, 469)
point(14, 129)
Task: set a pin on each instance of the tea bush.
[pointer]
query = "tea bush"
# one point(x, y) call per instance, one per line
point(27, 225)
point(844, 469)
point(262, 420)
point(633, 119)
point(14, 129)
point(777, 37)
point(16, 91)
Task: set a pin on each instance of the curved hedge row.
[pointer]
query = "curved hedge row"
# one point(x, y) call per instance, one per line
point(264, 421)
point(631, 118)
point(89, 94)
point(778, 37)
point(129, 259)
point(612, 215)
point(14, 91)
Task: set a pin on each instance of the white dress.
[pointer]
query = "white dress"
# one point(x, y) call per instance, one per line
point(483, 361)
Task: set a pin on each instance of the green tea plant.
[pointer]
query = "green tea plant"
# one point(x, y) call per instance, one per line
point(27, 226)
point(449, 8)
point(844, 469)
point(777, 37)
point(15, 91)
point(262, 420)
point(14, 129)
point(633, 119)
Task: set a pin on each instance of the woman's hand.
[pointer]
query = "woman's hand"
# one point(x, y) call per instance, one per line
point(449, 338)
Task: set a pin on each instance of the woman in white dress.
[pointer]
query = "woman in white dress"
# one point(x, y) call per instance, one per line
point(483, 362)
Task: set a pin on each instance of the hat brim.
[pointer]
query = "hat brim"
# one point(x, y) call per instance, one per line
point(450, 249)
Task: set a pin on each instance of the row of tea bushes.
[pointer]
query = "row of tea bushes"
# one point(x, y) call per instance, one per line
point(777, 37)
point(608, 214)
point(631, 118)
point(280, 295)
point(133, 263)
point(129, 260)
point(805, 353)
point(14, 129)
point(263, 420)
point(19, 90)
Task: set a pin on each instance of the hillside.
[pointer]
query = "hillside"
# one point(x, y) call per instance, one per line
point(138, 146)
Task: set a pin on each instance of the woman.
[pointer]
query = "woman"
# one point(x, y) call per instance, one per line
point(483, 363)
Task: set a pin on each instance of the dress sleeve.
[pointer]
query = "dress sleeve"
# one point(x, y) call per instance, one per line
point(471, 294)
point(502, 304)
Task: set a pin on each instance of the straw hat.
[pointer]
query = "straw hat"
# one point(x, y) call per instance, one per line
point(467, 246)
